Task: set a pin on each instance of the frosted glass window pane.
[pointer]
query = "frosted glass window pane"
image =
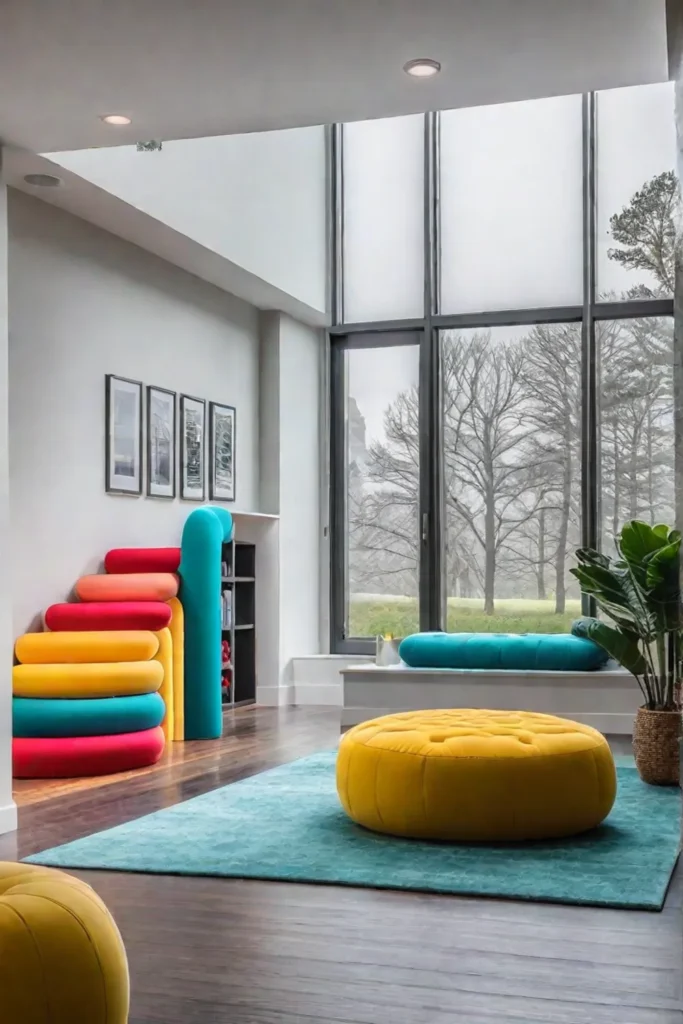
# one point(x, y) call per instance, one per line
point(511, 202)
point(383, 219)
point(636, 151)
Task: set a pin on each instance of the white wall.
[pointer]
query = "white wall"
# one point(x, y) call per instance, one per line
point(81, 304)
point(291, 437)
point(8, 814)
point(258, 200)
point(300, 435)
point(269, 418)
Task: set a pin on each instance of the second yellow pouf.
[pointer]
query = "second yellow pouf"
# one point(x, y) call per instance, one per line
point(475, 775)
point(62, 960)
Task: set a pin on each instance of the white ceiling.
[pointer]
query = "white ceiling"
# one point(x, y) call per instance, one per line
point(188, 68)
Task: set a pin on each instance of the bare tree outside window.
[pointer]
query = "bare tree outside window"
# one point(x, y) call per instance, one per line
point(382, 490)
point(636, 367)
point(512, 452)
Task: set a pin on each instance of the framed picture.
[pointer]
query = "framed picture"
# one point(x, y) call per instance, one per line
point(123, 435)
point(161, 442)
point(221, 452)
point(192, 448)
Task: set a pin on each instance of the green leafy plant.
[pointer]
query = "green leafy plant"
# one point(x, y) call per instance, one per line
point(640, 592)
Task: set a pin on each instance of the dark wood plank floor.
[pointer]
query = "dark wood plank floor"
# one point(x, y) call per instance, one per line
point(222, 951)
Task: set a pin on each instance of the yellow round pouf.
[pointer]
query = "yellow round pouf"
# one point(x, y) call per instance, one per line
point(62, 960)
point(473, 775)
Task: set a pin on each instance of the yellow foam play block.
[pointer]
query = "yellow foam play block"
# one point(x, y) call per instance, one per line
point(116, 679)
point(96, 646)
point(177, 628)
point(165, 659)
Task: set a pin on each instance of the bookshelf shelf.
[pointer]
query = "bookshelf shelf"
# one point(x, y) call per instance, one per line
point(238, 607)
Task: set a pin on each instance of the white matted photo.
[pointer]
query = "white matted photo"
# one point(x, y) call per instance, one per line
point(192, 448)
point(161, 442)
point(222, 424)
point(123, 435)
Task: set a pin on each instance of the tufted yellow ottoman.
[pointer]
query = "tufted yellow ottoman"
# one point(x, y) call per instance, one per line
point(475, 775)
point(61, 956)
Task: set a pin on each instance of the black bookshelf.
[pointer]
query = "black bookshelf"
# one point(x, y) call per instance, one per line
point(238, 614)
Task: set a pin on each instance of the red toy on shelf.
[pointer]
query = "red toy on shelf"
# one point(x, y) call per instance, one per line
point(226, 667)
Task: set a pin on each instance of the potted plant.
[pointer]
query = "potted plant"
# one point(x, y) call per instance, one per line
point(640, 591)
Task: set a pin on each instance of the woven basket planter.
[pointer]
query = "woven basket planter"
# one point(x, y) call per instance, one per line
point(656, 739)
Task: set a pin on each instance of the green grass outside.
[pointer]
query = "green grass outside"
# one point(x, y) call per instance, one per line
point(398, 616)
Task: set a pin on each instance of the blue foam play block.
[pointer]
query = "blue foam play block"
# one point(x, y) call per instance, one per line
point(550, 652)
point(97, 716)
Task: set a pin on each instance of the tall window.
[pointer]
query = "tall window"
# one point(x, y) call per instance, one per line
point(502, 357)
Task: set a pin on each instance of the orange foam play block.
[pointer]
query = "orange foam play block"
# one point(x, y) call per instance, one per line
point(144, 586)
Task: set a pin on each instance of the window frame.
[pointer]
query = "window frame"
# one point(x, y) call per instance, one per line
point(345, 336)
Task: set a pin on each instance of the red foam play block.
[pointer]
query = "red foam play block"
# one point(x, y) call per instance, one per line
point(125, 560)
point(98, 615)
point(61, 758)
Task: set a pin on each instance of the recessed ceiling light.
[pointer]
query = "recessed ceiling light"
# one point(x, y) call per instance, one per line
point(422, 67)
point(118, 119)
point(43, 180)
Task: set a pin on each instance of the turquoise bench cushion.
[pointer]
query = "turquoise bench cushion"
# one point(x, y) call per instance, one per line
point(541, 651)
point(97, 716)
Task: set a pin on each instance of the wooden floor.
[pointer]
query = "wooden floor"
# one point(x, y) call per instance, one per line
point(222, 951)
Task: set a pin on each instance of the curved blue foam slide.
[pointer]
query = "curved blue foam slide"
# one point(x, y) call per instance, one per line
point(551, 652)
point(205, 531)
point(97, 716)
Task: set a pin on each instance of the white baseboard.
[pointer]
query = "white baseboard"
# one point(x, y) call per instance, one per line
point(8, 818)
point(320, 694)
point(275, 696)
point(317, 678)
point(324, 668)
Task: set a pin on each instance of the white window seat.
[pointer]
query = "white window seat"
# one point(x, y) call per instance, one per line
point(606, 699)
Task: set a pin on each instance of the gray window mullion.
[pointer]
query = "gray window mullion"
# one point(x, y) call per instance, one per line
point(429, 509)
point(590, 451)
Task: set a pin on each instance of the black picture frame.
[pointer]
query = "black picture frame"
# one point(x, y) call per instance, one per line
point(154, 488)
point(117, 482)
point(198, 492)
point(217, 490)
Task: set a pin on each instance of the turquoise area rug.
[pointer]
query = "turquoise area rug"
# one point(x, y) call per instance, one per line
point(287, 824)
